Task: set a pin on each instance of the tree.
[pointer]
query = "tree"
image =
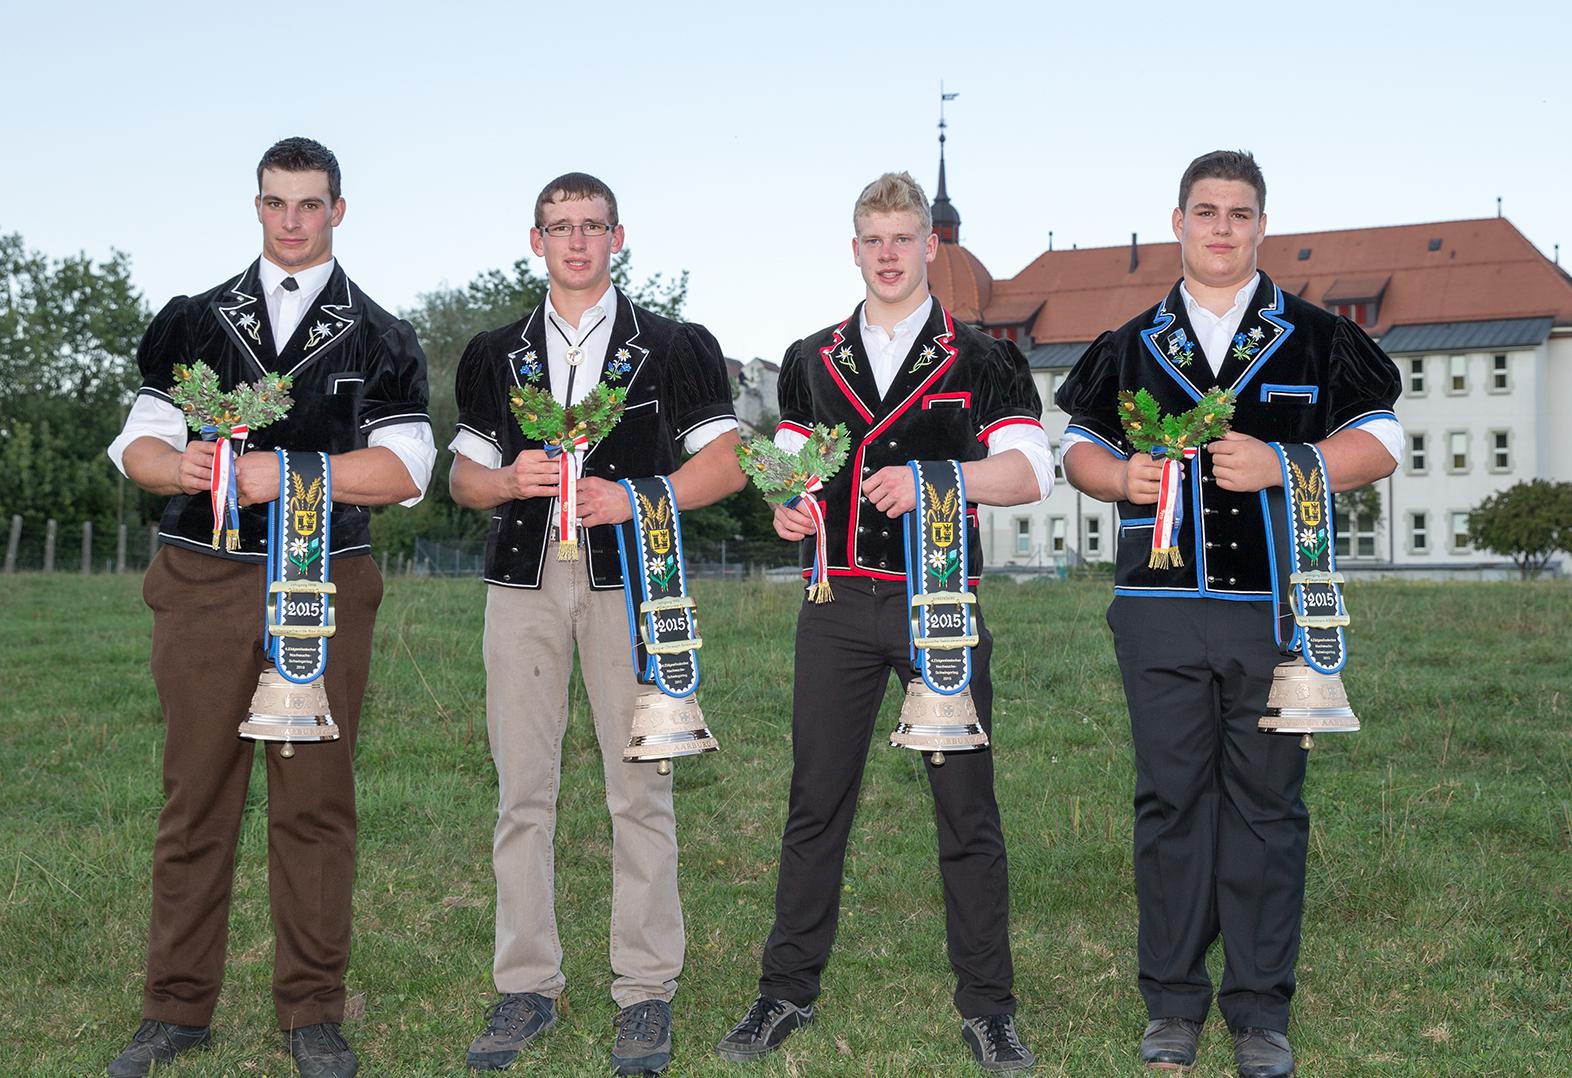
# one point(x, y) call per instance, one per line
point(1528, 522)
point(68, 335)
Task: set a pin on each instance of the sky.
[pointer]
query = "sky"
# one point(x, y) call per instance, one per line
point(737, 136)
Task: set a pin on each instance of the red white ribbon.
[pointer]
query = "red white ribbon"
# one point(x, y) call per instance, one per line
point(1170, 514)
point(818, 580)
point(569, 464)
point(221, 488)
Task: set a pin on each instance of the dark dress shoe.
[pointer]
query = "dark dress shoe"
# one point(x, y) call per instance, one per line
point(1169, 1044)
point(1263, 1053)
point(155, 1043)
point(321, 1052)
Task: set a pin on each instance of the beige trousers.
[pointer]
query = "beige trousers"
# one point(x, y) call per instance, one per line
point(530, 637)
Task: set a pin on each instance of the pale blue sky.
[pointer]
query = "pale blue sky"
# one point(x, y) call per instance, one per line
point(737, 136)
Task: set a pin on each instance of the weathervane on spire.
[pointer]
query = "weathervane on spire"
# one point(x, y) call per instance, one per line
point(946, 221)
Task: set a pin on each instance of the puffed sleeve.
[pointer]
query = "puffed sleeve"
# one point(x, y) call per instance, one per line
point(395, 389)
point(699, 388)
point(1089, 394)
point(480, 391)
point(166, 342)
point(1365, 383)
point(792, 394)
point(1005, 393)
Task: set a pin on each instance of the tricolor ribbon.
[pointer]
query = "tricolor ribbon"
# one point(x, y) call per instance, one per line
point(221, 484)
point(570, 458)
point(818, 580)
point(1170, 514)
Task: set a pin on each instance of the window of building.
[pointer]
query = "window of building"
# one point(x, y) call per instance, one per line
point(1092, 545)
point(1500, 450)
point(1416, 376)
point(1363, 314)
point(1058, 462)
point(1023, 535)
point(1056, 535)
point(1500, 374)
point(1457, 451)
point(1457, 374)
point(1418, 458)
point(1419, 532)
point(1459, 532)
point(1356, 535)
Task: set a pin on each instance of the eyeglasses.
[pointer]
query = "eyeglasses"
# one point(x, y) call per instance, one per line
point(589, 229)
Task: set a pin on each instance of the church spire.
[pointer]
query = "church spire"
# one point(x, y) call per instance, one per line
point(946, 218)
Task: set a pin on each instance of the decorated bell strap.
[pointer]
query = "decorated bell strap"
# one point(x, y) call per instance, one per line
point(1309, 602)
point(942, 625)
point(221, 484)
point(662, 628)
point(570, 462)
point(1170, 513)
point(819, 577)
point(299, 596)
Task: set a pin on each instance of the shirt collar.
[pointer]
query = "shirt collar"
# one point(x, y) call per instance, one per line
point(1193, 307)
point(606, 306)
point(310, 280)
point(905, 325)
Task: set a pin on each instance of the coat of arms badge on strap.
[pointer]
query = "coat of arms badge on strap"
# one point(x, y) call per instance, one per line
point(1307, 695)
point(662, 629)
point(290, 703)
point(938, 714)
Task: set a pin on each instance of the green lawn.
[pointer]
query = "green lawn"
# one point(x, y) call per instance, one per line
point(1438, 929)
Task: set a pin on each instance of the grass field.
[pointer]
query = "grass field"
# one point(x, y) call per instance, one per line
point(1438, 928)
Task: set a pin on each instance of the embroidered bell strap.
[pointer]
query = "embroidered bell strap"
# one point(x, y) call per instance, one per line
point(221, 485)
point(818, 577)
point(299, 596)
point(1170, 514)
point(1309, 601)
point(662, 627)
point(570, 461)
point(943, 632)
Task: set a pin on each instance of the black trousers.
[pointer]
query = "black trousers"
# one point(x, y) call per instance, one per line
point(845, 653)
point(1221, 828)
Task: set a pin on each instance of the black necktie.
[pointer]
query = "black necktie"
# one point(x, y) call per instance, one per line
point(290, 284)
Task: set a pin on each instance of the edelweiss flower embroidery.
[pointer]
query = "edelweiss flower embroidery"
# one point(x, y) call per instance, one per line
point(298, 548)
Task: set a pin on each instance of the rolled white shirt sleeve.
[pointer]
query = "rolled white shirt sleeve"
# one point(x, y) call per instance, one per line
point(150, 417)
point(416, 449)
point(469, 444)
point(1032, 441)
point(705, 433)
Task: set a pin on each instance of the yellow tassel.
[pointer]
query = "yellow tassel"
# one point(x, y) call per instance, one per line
point(232, 541)
point(820, 592)
point(215, 538)
point(1165, 557)
point(568, 550)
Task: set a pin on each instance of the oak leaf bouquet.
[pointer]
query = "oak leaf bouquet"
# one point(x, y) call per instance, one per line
point(1174, 439)
point(787, 478)
point(566, 432)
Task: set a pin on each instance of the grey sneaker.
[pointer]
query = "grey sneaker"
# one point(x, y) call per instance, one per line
point(643, 1038)
point(320, 1052)
point(511, 1023)
point(156, 1042)
point(1169, 1044)
point(994, 1044)
point(761, 1031)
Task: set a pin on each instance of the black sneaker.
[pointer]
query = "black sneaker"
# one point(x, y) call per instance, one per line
point(643, 1038)
point(157, 1042)
point(511, 1023)
point(767, 1023)
point(320, 1052)
point(994, 1044)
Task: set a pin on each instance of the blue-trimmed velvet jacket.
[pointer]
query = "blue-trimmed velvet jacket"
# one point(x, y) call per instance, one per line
point(1300, 374)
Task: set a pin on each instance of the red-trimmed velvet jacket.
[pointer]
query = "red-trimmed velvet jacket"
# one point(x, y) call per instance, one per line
point(955, 388)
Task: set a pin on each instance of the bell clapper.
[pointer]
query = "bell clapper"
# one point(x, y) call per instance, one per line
point(937, 759)
point(1307, 742)
point(286, 750)
point(663, 767)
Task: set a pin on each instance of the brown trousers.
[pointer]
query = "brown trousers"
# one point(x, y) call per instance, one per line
point(208, 641)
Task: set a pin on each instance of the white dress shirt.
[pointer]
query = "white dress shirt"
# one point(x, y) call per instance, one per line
point(591, 336)
point(1215, 334)
point(152, 417)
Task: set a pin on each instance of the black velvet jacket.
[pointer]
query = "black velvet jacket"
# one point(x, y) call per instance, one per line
point(355, 368)
point(956, 387)
point(1300, 374)
point(677, 382)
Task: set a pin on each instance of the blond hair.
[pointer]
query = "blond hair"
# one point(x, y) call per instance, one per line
point(894, 192)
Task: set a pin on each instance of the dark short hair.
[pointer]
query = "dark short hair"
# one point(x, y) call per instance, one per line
point(302, 155)
point(1224, 165)
point(574, 185)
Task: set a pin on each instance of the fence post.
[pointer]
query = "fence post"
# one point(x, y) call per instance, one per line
point(11, 543)
point(50, 527)
point(120, 549)
point(87, 548)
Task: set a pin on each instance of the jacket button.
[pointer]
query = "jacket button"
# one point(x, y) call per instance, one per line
point(883, 564)
point(1211, 579)
point(519, 523)
point(514, 549)
point(885, 533)
point(1233, 546)
point(507, 576)
point(1231, 580)
point(1209, 546)
point(1207, 512)
point(866, 470)
point(861, 530)
point(892, 443)
point(1206, 479)
point(1234, 511)
point(611, 467)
